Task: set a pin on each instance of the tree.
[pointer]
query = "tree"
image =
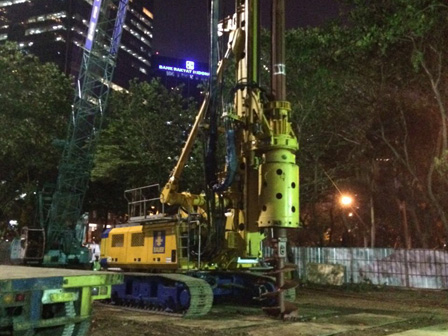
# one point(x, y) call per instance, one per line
point(332, 128)
point(144, 134)
point(369, 100)
point(408, 40)
point(35, 103)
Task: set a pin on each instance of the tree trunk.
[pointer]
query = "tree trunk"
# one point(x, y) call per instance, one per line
point(372, 223)
point(422, 235)
point(330, 236)
point(407, 238)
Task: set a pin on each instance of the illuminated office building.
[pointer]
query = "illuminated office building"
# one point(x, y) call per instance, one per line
point(175, 73)
point(55, 31)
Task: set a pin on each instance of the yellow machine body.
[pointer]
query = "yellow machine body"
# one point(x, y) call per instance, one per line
point(141, 247)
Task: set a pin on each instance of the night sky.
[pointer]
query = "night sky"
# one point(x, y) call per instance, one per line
point(181, 26)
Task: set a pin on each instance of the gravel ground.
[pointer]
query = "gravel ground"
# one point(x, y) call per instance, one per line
point(322, 311)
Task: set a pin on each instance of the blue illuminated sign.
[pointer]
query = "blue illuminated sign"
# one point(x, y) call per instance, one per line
point(158, 245)
point(92, 25)
point(189, 69)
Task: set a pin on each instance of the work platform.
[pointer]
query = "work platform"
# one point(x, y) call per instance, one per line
point(43, 301)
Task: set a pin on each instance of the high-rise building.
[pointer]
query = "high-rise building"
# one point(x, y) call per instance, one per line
point(55, 31)
point(187, 75)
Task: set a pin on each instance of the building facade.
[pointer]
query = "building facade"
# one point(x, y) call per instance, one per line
point(55, 31)
point(180, 73)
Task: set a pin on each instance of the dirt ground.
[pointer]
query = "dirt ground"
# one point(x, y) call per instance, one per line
point(321, 311)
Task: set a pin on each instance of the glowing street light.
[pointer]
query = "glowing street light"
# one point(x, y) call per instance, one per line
point(346, 200)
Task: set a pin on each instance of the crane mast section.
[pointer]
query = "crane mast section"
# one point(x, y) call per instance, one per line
point(91, 93)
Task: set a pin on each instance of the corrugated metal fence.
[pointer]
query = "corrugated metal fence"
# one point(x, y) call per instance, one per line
point(416, 268)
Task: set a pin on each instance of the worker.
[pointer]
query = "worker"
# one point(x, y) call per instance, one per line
point(96, 264)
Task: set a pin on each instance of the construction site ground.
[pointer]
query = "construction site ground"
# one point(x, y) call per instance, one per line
point(322, 311)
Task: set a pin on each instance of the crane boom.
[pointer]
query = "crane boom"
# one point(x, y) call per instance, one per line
point(63, 233)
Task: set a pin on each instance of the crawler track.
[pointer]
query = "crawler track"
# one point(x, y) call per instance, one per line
point(201, 295)
point(188, 297)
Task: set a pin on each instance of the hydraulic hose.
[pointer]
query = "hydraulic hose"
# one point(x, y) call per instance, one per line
point(231, 163)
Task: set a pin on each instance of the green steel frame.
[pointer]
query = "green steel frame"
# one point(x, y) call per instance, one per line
point(91, 93)
point(27, 294)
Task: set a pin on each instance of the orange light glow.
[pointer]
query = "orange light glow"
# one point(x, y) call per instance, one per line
point(346, 200)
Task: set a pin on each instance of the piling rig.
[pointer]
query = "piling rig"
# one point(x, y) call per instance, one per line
point(217, 237)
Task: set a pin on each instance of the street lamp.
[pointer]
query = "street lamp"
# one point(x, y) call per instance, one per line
point(346, 200)
point(346, 203)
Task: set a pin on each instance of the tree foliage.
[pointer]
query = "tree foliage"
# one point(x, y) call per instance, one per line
point(370, 104)
point(144, 134)
point(369, 97)
point(35, 103)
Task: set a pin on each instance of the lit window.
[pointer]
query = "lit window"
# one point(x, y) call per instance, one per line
point(12, 2)
point(34, 31)
point(148, 13)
